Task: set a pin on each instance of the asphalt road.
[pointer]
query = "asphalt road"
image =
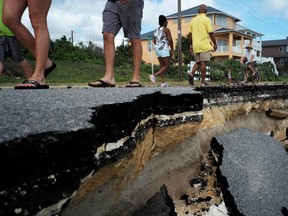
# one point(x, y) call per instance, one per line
point(25, 112)
point(255, 166)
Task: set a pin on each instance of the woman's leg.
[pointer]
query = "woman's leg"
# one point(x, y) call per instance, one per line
point(12, 13)
point(164, 65)
point(38, 11)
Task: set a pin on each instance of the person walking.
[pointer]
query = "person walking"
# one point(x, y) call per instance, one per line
point(10, 47)
point(200, 37)
point(117, 14)
point(162, 42)
point(38, 45)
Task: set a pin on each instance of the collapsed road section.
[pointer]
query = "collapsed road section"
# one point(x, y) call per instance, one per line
point(107, 151)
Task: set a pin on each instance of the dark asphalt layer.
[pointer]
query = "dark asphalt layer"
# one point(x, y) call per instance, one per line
point(255, 166)
point(25, 112)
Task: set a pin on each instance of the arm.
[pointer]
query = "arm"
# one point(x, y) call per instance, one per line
point(252, 57)
point(212, 37)
point(169, 37)
point(190, 42)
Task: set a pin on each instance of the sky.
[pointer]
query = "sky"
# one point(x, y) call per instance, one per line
point(84, 17)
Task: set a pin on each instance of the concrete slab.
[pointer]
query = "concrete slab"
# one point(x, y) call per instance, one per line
point(255, 166)
point(25, 112)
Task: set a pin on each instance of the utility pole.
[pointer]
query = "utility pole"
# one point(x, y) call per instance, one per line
point(179, 42)
point(72, 39)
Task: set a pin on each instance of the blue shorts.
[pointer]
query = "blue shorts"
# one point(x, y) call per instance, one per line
point(10, 47)
point(162, 53)
point(127, 16)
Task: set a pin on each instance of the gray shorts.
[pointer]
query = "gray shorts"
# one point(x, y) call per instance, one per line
point(10, 47)
point(129, 16)
point(204, 56)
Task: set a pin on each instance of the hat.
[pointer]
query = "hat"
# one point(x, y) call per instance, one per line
point(249, 46)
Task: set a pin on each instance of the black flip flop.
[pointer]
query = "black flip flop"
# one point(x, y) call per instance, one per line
point(191, 79)
point(101, 84)
point(36, 84)
point(49, 70)
point(134, 85)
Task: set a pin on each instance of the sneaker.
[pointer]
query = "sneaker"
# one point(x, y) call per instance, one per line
point(152, 78)
point(164, 84)
point(203, 84)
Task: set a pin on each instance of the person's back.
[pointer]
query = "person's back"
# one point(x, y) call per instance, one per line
point(200, 27)
point(202, 41)
point(161, 39)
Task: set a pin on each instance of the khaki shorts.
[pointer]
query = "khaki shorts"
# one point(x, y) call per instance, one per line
point(204, 56)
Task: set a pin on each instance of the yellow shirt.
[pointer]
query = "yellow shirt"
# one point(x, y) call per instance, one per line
point(200, 27)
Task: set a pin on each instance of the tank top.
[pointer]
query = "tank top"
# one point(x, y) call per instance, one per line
point(161, 39)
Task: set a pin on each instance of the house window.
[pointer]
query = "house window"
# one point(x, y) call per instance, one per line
point(281, 49)
point(282, 61)
point(211, 18)
point(221, 20)
point(175, 21)
point(187, 19)
point(222, 45)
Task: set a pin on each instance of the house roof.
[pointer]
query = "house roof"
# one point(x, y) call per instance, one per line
point(210, 10)
point(146, 35)
point(220, 30)
point(268, 43)
point(194, 11)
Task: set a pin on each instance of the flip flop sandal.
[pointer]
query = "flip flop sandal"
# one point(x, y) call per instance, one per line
point(101, 84)
point(134, 85)
point(36, 84)
point(49, 70)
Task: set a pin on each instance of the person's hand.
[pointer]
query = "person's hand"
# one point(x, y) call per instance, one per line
point(191, 49)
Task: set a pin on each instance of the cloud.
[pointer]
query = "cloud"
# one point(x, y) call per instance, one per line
point(84, 17)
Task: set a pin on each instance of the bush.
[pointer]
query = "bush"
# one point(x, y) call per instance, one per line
point(267, 72)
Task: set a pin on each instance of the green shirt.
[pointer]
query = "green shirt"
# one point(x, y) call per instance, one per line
point(4, 31)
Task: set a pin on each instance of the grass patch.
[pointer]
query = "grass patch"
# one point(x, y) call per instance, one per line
point(80, 73)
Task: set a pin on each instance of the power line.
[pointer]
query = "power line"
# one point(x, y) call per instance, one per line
point(259, 16)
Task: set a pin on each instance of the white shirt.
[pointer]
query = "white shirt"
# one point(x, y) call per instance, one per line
point(248, 55)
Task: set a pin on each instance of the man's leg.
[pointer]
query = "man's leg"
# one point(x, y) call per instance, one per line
point(252, 69)
point(203, 72)
point(109, 55)
point(137, 56)
point(191, 75)
point(26, 68)
point(1, 68)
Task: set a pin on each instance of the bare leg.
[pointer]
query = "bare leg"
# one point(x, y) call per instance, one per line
point(109, 54)
point(1, 68)
point(252, 69)
point(203, 71)
point(246, 75)
point(12, 13)
point(195, 68)
point(26, 68)
point(164, 65)
point(137, 56)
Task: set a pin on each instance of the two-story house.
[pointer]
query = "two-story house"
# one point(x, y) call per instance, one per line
point(278, 50)
point(231, 37)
